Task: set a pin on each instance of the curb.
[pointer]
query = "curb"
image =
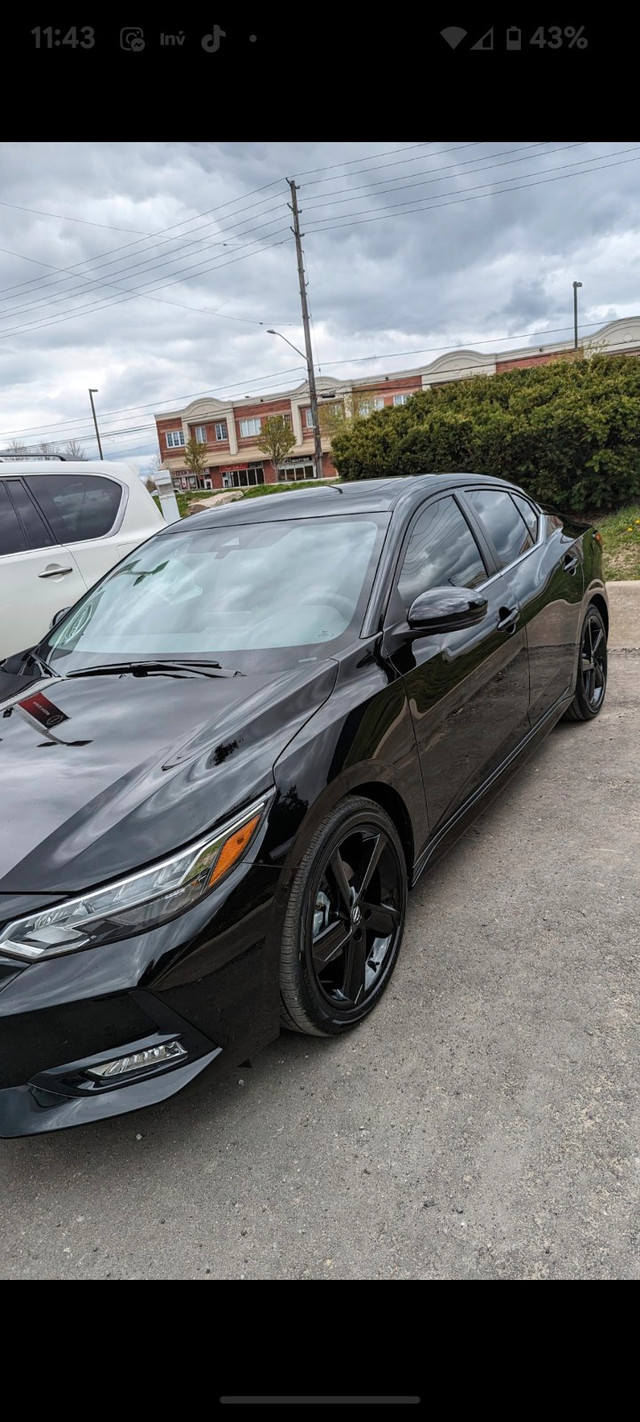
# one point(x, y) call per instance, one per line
point(624, 606)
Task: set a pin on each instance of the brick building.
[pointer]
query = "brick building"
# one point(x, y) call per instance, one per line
point(229, 429)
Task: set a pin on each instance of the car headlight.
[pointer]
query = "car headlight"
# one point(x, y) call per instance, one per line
point(134, 904)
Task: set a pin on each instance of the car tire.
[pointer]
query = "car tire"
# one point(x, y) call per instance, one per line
point(591, 683)
point(344, 921)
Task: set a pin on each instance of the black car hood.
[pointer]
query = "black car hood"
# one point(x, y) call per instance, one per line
point(102, 775)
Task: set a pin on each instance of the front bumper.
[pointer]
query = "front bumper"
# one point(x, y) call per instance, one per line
point(208, 980)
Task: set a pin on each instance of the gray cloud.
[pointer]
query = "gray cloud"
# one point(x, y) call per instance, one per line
point(471, 264)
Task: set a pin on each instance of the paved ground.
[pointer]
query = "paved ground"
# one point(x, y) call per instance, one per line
point(483, 1124)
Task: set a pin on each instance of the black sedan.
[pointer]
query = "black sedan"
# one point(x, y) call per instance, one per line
point(260, 728)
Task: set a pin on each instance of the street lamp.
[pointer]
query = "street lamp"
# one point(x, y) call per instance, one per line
point(313, 399)
point(93, 392)
point(576, 284)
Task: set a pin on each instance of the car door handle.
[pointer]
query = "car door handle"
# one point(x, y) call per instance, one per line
point(507, 618)
point(570, 562)
point(54, 570)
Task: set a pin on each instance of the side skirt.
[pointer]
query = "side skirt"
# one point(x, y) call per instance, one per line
point(463, 817)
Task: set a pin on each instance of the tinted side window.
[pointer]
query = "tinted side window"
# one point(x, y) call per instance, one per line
point(528, 513)
point(77, 505)
point(32, 523)
point(12, 539)
point(505, 526)
point(441, 550)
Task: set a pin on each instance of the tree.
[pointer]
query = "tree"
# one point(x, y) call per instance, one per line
point(276, 440)
point(353, 405)
point(17, 447)
point(195, 457)
point(74, 450)
point(46, 448)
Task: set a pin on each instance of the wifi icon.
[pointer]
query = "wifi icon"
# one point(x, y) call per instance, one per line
point(454, 35)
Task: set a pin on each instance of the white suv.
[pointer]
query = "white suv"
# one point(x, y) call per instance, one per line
point(62, 525)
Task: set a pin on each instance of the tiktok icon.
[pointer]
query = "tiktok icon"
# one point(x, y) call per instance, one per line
point(212, 42)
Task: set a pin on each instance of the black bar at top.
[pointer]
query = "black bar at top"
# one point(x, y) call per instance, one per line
point(321, 1400)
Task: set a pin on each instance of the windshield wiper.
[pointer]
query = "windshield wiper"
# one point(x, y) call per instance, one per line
point(166, 668)
point(43, 667)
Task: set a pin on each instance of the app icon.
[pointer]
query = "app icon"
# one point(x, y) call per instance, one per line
point(132, 38)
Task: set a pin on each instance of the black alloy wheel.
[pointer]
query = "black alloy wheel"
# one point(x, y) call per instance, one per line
point(344, 921)
point(591, 683)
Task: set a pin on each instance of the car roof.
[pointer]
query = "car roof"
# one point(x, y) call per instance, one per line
point(119, 470)
point(359, 496)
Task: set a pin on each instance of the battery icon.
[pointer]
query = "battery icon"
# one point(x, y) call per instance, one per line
point(514, 37)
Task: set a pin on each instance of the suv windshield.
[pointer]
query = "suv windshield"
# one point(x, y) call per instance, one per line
point(251, 596)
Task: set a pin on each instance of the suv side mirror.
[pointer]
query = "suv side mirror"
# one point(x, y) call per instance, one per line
point(57, 617)
point(445, 610)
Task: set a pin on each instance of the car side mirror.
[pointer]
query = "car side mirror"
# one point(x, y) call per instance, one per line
point(57, 617)
point(445, 610)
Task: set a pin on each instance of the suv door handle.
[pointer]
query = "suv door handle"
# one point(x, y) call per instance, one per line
point(507, 618)
point(54, 570)
point(570, 562)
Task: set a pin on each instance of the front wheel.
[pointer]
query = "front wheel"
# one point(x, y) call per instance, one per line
point(591, 684)
point(344, 922)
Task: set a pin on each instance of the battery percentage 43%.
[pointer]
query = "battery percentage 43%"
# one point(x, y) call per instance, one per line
point(554, 37)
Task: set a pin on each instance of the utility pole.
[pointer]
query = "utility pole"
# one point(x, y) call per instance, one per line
point(95, 421)
point(576, 284)
point(313, 397)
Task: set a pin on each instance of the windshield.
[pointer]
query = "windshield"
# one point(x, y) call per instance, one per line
point(250, 596)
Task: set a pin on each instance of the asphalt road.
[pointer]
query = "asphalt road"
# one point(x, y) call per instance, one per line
point(482, 1124)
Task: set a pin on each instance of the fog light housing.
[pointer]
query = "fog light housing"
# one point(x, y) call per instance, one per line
point(162, 1055)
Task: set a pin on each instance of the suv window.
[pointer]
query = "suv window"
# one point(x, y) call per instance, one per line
point(77, 505)
point(12, 539)
point(441, 550)
point(32, 522)
point(505, 526)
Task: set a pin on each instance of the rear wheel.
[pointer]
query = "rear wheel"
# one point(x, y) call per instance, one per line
point(344, 921)
point(591, 684)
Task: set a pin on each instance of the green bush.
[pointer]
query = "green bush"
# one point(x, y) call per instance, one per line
point(568, 432)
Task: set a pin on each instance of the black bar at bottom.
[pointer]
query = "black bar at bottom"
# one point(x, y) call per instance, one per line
point(321, 1400)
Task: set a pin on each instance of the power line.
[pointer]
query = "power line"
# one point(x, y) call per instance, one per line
point(457, 148)
point(429, 204)
point(348, 163)
point(185, 221)
point(38, 212)
point(153, 263)
point(133, 295)
point(443, 173)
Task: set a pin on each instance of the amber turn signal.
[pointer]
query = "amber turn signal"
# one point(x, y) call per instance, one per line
point(234, 847)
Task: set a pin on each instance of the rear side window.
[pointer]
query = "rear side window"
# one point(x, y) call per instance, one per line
point(37, 533)
point(12, 539)
point(503, 523)
point(77, 505)
point(441, 550)
point(528, 513)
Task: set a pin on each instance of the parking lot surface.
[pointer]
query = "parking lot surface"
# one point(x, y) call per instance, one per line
point(483, 1123)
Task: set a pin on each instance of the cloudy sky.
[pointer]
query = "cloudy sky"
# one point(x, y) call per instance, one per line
point(153, 271)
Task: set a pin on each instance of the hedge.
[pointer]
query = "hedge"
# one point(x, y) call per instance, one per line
point(568, 432)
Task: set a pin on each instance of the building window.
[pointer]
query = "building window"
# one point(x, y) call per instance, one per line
point(308, 419)
point(221, 431)
point(175, 439)
point(294, 473)
point(243, 478)
point(250, 427)
point(402, 398)
point(201, 434)
point(371, 402)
